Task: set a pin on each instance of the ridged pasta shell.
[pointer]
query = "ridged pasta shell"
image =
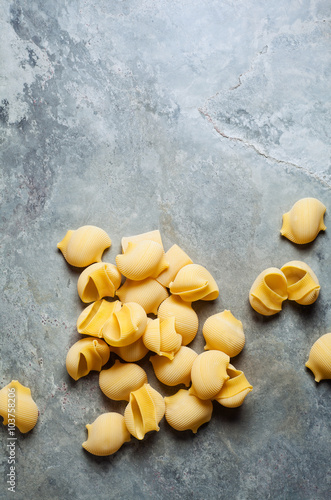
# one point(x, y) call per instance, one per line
point(122, 378)
point(84, 246)
point(133, 352)
point(234, 390)
point(304, 221)
point(93, 317)
point(125, 326)
point(185, 411)
point(161, 337)
point(209, 372)
point(194, 282)
point(177, 370)
point(144, 411)
point(97, 281)
point(268, 292)
point(142, 260)
point(86, 355)
point(225, 333)
point(148, 293)
point(186, 319)
point(302, 283)
point(150, 235)
point(16, 403)
point(176, 258)
point(106, 434)
point(319, 361)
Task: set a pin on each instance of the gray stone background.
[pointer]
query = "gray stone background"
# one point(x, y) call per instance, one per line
point(207, 120)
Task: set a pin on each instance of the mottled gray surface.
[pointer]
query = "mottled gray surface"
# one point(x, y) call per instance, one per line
point(207, 120)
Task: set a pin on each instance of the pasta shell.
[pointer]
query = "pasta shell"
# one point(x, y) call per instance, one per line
point(177, 370)
point(268, 292)
point(86, 355)
point(302, 283)
point(176, 258)
point(185, 411)
point(194, 282)
point(97, 281)
point(148, 293)
point(186, 319)
point(93, 317)
point(234, 390)
point(133, 352)
point(17, 405)
point(150, 235)
point(106, 434)
point(162, 338)
point(304, 221)
point(144, 411)
point(84, 246)
point(319, 361)
point(125, 326)
point(209, 374)
point(142, 260)
point(122, 378)
point(225, 333)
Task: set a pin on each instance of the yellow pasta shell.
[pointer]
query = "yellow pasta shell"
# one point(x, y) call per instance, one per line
point(194, 282)
point(133, 352)
point(148, 293)
point(225, 333)
point(84, 246)
point(97, 281)
point(209, 372)
point(302, 283)
point(177, 370)
point(268, 292)
point(150, 235)
point(125, 326)
point(319, 361)
point(93, 317)
point(162, 338)
point(86, 355)
point(186, 319)
point(234, 390)
point(176, 258)
point(106, 434)
point(304, 221)
point(142, 260)
point(122, 378)
point(144, 411)
point(185, 411)
point(16, 403)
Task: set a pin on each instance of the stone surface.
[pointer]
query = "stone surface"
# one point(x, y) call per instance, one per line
point(204, 119)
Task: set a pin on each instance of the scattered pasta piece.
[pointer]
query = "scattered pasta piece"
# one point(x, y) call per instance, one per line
point(304, 221)
point(194, 282)
point(133, 352)
point(225, 333)
point(177, 370)
point(85, 355)
point(142, 260)
point(185, 411)
point(177, 258)
point(97, 281)
point(209, 372)
point(106, 434)
point(125, 326)
point(18, 407)
point(319, 361)
point(234, 390)
point(144, 411)
point(94, 316)
point(148, 293)
point(268, 292)
point(302, 283)
point(150, 235)
point(84, 246)
point(122, 378)
point(186, 319)
point(162, 338)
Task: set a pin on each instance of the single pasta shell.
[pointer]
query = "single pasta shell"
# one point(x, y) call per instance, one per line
point(142, 260)
point(144, 411)
point(302, 283)
point(162, 338)
point(225, 333)
point(150, 235)
point(209, 374)
point(194, 282)
point(84, 246)
point(133, 352)
point(234, 390)
point(177, 370)
point(319, 361)
point(185, 411)
point(106, 434)
point(148, 293)
point(86, 355)
point(97, 281)
point(176, 258)
point(122, 378)
point(125, 326)
point(93, 317)
point(16, 403)
point(304, 221)
point(268, 292)
point(186, 319)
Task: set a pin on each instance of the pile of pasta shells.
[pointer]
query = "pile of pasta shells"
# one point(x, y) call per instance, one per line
point(163, 284)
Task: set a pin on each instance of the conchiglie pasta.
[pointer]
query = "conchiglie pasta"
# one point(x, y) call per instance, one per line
point(302, 283)
point(304, 221)
point(186, 319)
point(224, 332)
point(106, 434)
point(176, 258)
point(84, 246)
point(319, 361)
point(162, 338)
point(234, 390)
point(209, 372)
point(86, 355)
point(148, 293)
point(133, 352)
point(268, 292)
point(177, 370)
point(150, 235)
point(185, 411)
point(94, 316)
point(16, 399)
point(125, 326)
point(122, 378)
point(142, 260)
point(194, 282)
point(97, 281)
point(144, 411)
